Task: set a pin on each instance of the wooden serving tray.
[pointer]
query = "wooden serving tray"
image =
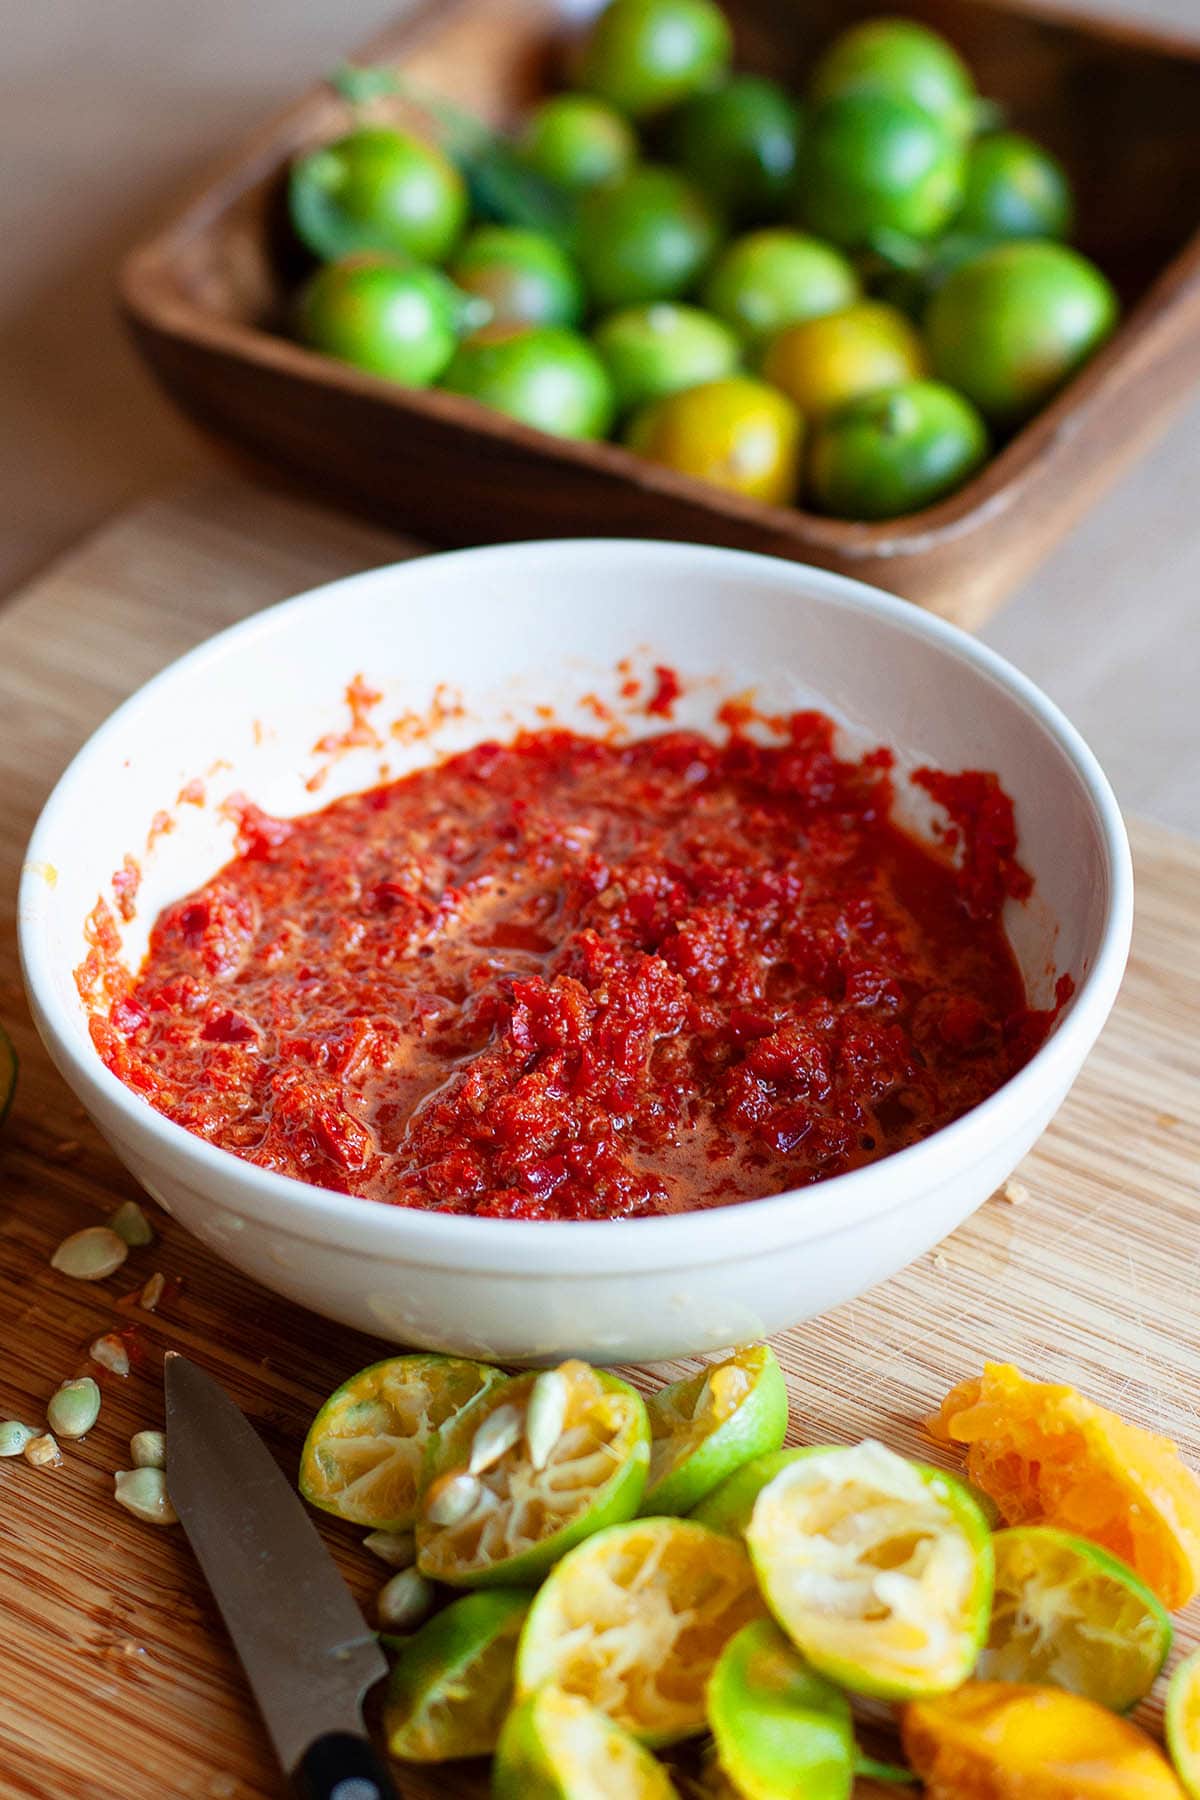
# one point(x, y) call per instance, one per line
point(207, 300)
point(118, 1679)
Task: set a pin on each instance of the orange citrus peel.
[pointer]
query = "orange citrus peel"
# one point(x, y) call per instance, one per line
point(1047, 1455)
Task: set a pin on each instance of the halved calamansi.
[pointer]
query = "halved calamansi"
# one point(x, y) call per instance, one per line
point(634, 1620)
point(554, 1746)
point(879, 1570)
point(364, 1455)
point(541, 1462)
point(706, 1426)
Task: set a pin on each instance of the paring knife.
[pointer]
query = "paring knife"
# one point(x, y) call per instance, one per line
point(304, 1645)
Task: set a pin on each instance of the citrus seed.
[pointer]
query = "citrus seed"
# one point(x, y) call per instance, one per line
point(451, 1498)
point(111, 1353)
point(397, 1548)
point(498, 1433)
point(545, 1416)
point(406, 1601)
point(143, 1492)
point(152, 1292)
point(14, 1436)
point(91, 1254)
point(148, 1450)
point(75, 1408)
point(131, 1225)
point(43, 1452)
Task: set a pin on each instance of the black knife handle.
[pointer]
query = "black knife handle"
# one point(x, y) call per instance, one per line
point(340, 1766)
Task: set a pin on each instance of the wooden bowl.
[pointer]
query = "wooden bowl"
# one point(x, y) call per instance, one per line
point(207, 297)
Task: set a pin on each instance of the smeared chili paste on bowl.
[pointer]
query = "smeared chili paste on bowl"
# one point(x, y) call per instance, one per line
point(567, 978)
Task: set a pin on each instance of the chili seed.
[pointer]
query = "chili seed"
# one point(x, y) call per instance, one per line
point(131, 1225)
point(143, 1492)
point(91, 1254)
point(148, 1450)
point(75, 1408)
point(406, 1601)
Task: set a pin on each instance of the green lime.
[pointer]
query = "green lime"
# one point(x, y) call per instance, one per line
point(772, 278)
point(657, 349)
point(704, 1427)
point(1014, 189)
point(822, 364)
point(1010, 327)
point(540, 1463)
point(908, 273)
point(554, 1746)
point(737, 432)
point(451, 1684)
point(524, 276)
point(544, 375)
point(389, 317)
point(738, 143)
point(365, 1452)
point(730, 1505)
point(874, 163)
point(1067, 1614)
point(577, 142)
point(895, 451)
point(377, 189)
point(780, 1729)
point(8, 1074)
point(903, 60)
point(643, 56)
point(879, 1570)
point(1183, 1723)
point(633, 1621)
point(647, 236)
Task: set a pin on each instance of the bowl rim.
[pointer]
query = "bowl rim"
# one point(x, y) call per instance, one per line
point(588, 1247)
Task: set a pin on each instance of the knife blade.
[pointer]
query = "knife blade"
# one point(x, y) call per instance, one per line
point(305, 1646)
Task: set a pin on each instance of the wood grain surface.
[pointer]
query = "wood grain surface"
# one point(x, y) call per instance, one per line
point(116, 1679)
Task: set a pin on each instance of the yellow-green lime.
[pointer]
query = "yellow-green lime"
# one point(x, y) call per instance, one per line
point(377, 189)
point(643, 56)
point(1183, 1723)
point(364, 1455)
point(776, 277)
point(540, 1463)
point(738, 142)
point(633, 1621)
point(729, 1507)
point(554, 1746)
point(1014, 189)
point(544, 375)
point(524, 277)
point(780, 1729)
point(903, 59)
point(879, 1570)
point(738, 433)
point(1067, 1614)
point(576, 141)
point(706, 1426)
point(451, 1684)
point(874, 163)
point(660, 348)
point(649, 235)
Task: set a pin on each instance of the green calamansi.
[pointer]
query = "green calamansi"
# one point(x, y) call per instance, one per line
point(659, 349)
point(779, 1728)
point(875, 163)
point(1011, 326)
point(776, 277)
point(377, 189)
point(524, 277)
point(739, 144)
point(555, 1746)
point(544, 376)
point(1015, 189)
point(644, 56)
point(895, 451)
point(903, 60)
point(388, 317)
point(703, 1427)
point(647, 236)
point(577, 141)
point(451, 1684)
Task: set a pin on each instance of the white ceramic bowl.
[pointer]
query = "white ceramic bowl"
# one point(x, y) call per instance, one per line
point(509, 629)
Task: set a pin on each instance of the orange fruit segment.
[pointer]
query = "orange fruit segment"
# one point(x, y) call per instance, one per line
point(996, 1740)
point(1046, 1455)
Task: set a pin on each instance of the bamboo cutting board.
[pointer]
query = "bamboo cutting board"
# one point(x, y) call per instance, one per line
point(116, 1678)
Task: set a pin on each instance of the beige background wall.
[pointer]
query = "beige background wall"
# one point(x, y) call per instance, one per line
point(106, 106)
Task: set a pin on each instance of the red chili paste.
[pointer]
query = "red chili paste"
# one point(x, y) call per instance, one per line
point(566, 978)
